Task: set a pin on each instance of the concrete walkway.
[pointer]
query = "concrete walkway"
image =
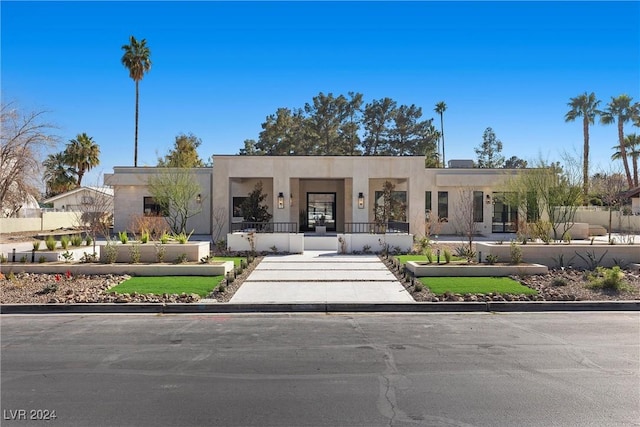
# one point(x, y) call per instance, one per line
point(321, 277)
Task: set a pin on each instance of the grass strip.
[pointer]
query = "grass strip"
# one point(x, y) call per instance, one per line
point(422, 258)
point(476, 285)
point(158, 285)
point(236, 259)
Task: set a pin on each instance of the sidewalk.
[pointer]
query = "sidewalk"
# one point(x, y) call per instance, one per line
point(321, 277)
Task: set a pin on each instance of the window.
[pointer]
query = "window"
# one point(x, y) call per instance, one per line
point(443, 205)
point(87, 200)
point(533, 212)
point(394, 209)
point(151, 208)
point(478, 207)
point(427, 204)
point(237, 206)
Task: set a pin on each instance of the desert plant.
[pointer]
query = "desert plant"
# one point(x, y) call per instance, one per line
point(87, 258)
point(144, 237)
point(515, 252)
point(183, 237)
point(559, 281)
point(23, 259)
point(607, 278)
point(134, 253)
point(418, 286)
point(447, 256)
point(88, 240)
point(274, 249)
point(42, 259)
point(466, 252)
point(164, 238)
point(3, 258)
point(123, 236)
point(64, 242)
point(76, 240)
point(428, 253)
point(50, 243)
point(36, 244)
point(591, 260)
point(68, 256)
point(11, 277)
point(111, 252)
point(560, 263)
point(366, 249)
point(206, 259)
point(491, 259)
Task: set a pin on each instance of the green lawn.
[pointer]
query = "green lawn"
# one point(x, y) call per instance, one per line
point(158, 285)
point(236, 259)
point(475, 285)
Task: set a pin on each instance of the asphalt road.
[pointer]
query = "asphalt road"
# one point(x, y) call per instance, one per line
point(542, 369)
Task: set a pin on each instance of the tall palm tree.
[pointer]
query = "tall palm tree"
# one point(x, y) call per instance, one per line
point(621, 110)
point(632, 145)
point(585, 106)
point(441, 107)
point(82, 154)
point(137, 59)
point(58, 176)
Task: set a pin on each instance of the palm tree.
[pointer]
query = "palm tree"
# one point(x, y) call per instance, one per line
point(632, 143)
point(585, 106)
point(82, 154)
point(621, 110)
point(441, 107)
point(137, 60)
point(58, 176)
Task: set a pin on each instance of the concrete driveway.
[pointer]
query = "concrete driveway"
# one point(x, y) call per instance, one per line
point(321, 276)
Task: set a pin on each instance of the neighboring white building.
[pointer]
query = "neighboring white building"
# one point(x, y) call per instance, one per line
point(340, 191)
point(76, 199)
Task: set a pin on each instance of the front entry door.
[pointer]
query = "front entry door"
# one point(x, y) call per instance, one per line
point(321, 210)
point(505, 216)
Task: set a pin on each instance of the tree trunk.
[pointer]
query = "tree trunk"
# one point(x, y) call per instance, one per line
point(623, 153)
point(135, 148)
point(585, 160)
point(442, 131)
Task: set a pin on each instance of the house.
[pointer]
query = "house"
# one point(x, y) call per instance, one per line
point(343, 194)
point(634, 195)
point(82, 198)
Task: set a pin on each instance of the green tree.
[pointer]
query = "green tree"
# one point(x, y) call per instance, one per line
point(489, 151)
point(514, 162)
point(137, 59)
point(325, 118)
point(250, 148)
point(411, 136)
point(351, 125)
point(283, 134)
point(441, 107)
point(82, 154)
point(176, 191)
point(253, 207)
point(585, 106)
point(378, 116)
point(184, 153)
point(632, 146)
point(621, 110)
point(59, 177)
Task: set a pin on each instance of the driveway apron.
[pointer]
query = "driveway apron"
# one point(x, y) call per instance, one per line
point(321, 277)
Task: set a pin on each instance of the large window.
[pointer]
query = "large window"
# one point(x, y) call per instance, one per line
point(443, 205)
point(478, 207)
point(427, 204)
point(237, 207)
point(151, 208)
point(394, 209)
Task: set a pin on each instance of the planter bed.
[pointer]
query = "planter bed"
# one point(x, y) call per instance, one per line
point(425, 269)
point(194, 251)
point(155, 269)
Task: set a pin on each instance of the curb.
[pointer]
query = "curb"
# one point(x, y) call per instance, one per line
point(425, 307)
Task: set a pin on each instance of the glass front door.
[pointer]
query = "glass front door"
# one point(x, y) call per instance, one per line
point(321, 210)
point(505, 216)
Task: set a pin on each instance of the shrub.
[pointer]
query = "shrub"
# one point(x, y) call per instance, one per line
point(64, 242)
point(607, 278)
point(134, 253)
point(183, 237)
point(111, 252)
point(144, 237)
point(42, 259)
point(88, 240)
point(50, 243)
point(516, 253)
point(164, 238)
point(447, 256)
point(366, 249)
point(160, 252)
point(76, 240)
point(182, 258)
point(68, 256)
point(559, 281)
point(36, 244)
point(23, 259)
point(465, 252)
point(123, 236)
point(3, 258)
point(418, 287)
point(429, 254)
point(87, 258)
point(491, 259)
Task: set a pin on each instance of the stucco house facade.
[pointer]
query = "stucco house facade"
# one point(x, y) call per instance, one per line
point(78, 198)
point(339, 193)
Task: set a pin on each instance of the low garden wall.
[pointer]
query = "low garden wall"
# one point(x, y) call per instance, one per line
point(357, 242)
point(420, 269)
point(75, 253)
point(213, 269)
point(266, 242)
point(47, 221)
point(565, 255)
point(190, 251)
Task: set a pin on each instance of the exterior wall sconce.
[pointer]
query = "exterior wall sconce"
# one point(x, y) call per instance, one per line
point(280, 200)
point(199, 198)
point(360, 200)
point(488, 199)
point(290, 199)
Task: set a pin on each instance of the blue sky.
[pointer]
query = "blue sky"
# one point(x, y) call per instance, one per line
point(219, 68)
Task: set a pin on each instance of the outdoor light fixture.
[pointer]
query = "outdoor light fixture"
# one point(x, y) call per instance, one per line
point(199, 198)
point(488, 198)
point(290, 199)
point(281, 200)
point(360, 201)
